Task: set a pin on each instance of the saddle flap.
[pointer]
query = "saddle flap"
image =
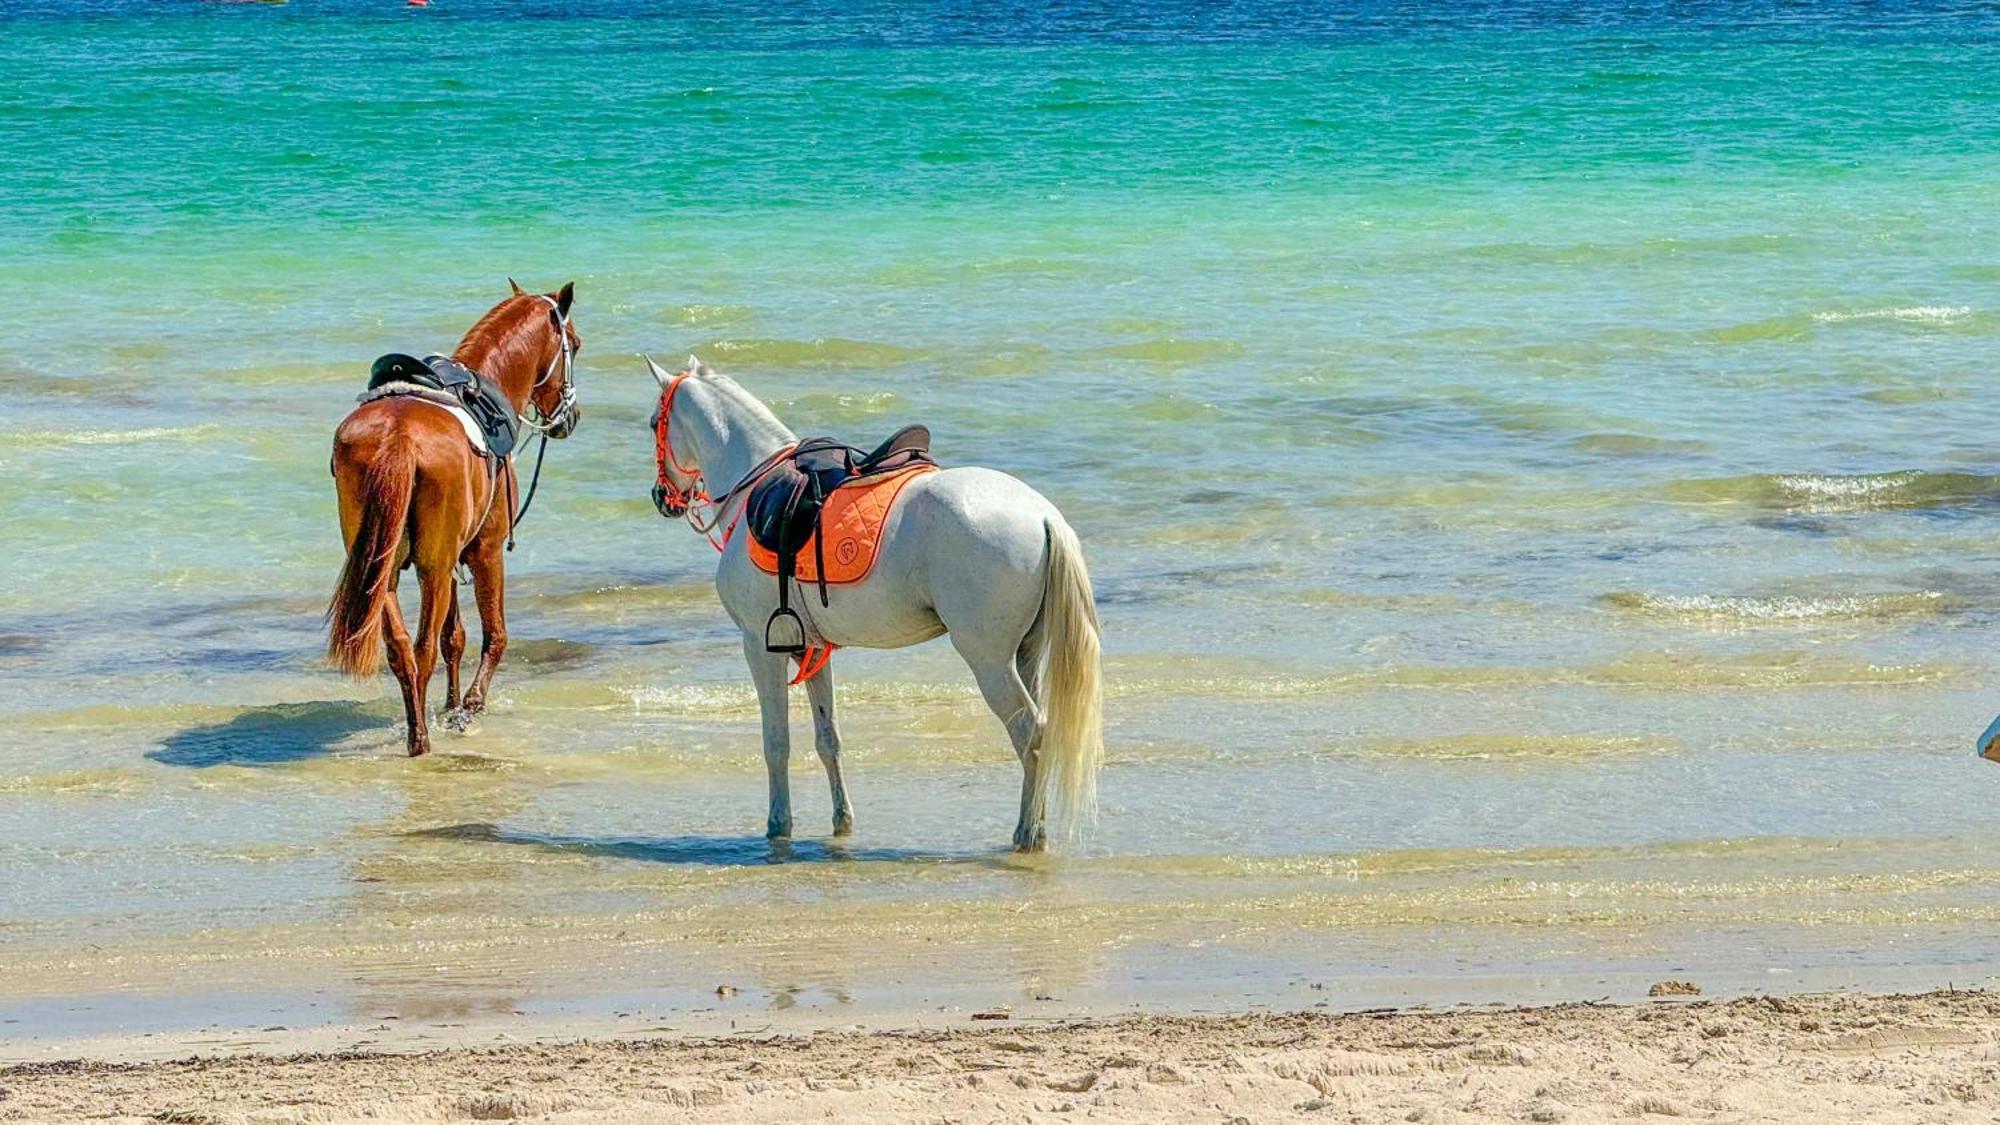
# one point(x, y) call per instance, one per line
point(451, 374)
point(781, 510)
point(489, 406)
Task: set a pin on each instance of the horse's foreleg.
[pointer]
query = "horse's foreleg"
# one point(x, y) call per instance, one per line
point(454, 649)
point(489, 590)
point(826, 739)
point(1000, 683)
point(436, 586)
point(767, 671)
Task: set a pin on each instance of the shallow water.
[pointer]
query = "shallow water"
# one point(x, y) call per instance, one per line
point(1534, 466)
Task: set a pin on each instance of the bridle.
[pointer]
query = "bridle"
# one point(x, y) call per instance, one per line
point(676, 501)
point(565, 359)
point(673, 500)
point(544, 425)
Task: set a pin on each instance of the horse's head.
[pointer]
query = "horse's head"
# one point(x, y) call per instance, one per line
point(553, 396)
point(677, 484)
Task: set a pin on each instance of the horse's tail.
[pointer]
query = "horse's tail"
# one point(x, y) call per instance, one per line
point(354, 617)
point(1072, 686)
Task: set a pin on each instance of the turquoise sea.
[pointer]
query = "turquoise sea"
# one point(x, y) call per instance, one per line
point(1538, 464)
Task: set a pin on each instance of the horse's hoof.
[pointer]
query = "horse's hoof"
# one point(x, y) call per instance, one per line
point(843, 826)
point(778, 832)
point(1029, 844)
point(458, 720)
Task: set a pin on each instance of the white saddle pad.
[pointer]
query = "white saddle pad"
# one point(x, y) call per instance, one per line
point(423, 394)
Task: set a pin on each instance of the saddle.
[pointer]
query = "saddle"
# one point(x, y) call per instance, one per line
point(783, 510)
point(456, 385)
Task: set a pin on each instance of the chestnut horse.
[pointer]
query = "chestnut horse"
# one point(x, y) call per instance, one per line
point(414, 491)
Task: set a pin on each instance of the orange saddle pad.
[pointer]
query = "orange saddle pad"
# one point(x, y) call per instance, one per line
point(851, 519)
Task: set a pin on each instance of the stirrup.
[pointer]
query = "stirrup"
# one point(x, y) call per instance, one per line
point(798, 625)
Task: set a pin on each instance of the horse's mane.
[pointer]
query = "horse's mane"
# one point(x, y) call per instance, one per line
point(503, 339)
point(755, 408)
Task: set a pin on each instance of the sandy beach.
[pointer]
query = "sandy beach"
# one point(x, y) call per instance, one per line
point(1923, 1058)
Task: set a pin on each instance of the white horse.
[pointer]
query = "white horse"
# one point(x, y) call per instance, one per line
point(965, 551)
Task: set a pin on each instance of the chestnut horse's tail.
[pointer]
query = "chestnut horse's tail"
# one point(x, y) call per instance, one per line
point(354, 618)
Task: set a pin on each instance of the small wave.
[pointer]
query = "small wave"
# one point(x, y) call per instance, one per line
point(549, 654)
point(56, 438)
point(1907, 396)
point(1718, 607)
point(833, 409)
point(1756, 331)
point(734, 700)
point(1633, 445)
point(1681, 671)
point(620, 600)
point(98, 387)
point(1523, 748)
point(1920, 314)
point(1910, 488)
point(702, 316)
point(1798, 326)
point(1661, 671)
point(823, 351)
point(85, 782)
point(1174, 352)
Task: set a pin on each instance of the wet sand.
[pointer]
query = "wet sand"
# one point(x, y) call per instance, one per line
point(1924, 1058)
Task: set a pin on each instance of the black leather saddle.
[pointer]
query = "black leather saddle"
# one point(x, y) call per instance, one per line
point(783, 510)
point(480, 396)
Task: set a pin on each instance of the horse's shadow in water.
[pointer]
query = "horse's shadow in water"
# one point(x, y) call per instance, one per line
point(268, 736)
point(701, 851)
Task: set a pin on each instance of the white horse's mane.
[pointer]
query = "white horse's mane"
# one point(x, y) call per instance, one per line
point(739, 394)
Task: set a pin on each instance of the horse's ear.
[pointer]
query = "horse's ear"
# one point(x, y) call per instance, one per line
point(695, 365)
point(564, 296)
point(660, 376)
point(516, 287)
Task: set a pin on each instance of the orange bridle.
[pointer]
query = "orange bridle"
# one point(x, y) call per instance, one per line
point(673, 500)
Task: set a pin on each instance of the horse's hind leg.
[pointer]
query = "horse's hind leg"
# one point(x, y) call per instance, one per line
point(489, 590)
point(1001, 684)
point(436, 585)
point(826, 739)
point(454, 652)
point(767, 671)
point(403, 662)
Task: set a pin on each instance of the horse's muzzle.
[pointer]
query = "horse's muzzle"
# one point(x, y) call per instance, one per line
point(669, 506)
point(567, 425)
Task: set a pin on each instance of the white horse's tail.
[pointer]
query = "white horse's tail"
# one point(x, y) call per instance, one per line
point(1072, 686)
